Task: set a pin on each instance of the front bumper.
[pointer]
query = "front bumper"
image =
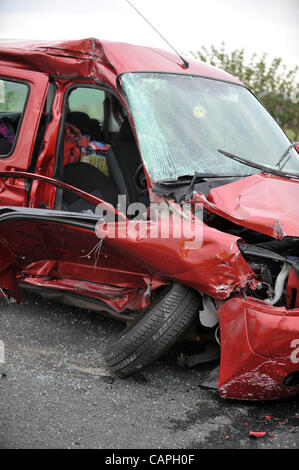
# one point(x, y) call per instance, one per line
point(259, 350)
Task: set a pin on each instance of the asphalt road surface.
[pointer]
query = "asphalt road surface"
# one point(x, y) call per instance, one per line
point(56, 392)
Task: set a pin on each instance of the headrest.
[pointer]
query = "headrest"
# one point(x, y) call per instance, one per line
point(78, 119)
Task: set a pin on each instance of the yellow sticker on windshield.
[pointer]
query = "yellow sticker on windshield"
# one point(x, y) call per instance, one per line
point(199, 111)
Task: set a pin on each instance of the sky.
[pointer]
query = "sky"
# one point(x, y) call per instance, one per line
point(270, 26)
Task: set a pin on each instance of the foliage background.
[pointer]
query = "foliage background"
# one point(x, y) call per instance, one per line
point(271, 81)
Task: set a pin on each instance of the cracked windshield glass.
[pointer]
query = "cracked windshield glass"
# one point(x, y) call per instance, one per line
point(182, 121)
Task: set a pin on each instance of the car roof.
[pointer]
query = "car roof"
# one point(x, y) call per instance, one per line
point(100, 59)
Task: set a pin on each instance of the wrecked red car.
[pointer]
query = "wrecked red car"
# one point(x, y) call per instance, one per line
point(160, 192)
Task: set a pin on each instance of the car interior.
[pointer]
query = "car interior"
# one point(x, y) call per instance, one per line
point(111, 164)
point(7, 134)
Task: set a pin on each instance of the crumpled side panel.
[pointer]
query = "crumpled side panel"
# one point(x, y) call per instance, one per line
point(60, 256)
point(211, 264)
point(215, 266)
point(116, 297)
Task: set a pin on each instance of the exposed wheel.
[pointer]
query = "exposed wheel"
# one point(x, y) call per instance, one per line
point(166, 319)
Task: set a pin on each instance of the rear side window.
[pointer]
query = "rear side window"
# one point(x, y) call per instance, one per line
point(13, 96)
point(89, 101)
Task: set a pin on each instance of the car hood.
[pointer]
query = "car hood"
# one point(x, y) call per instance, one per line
point(265, 203)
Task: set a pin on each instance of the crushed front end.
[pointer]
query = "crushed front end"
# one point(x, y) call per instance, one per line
point(259, 325)
point(259, 350)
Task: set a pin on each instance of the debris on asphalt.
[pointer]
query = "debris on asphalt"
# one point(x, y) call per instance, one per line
point(139, 378)
point(284, 422)
point(255, 434)
point(107, 378)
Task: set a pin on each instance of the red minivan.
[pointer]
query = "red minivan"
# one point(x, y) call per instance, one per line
point(159, 192)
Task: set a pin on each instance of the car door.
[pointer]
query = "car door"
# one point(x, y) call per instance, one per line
point(22, 96)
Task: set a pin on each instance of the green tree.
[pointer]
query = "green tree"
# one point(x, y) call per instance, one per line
point(271, 81)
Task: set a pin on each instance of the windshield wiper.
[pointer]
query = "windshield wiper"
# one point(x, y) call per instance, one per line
point(189, 191)
point(184, 179)
point(285, 154)
point(200, 176)
point(262, 168)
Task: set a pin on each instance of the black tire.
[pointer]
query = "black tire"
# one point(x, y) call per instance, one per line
point(166, 319)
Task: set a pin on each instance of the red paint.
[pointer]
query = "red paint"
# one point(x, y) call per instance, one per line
point(99, 59)
point(118, 298)
point(61, 255)
point(265, 203)
point(172, 258)
point(256, 349)
point(257, 433)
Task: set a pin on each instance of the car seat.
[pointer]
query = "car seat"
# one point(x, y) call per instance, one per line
point(89, 179)
point(123, 160)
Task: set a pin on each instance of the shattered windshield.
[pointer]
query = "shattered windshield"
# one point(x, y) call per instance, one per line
point(181, 122)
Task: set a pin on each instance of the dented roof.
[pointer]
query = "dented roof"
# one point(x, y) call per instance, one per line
point(95, 58)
